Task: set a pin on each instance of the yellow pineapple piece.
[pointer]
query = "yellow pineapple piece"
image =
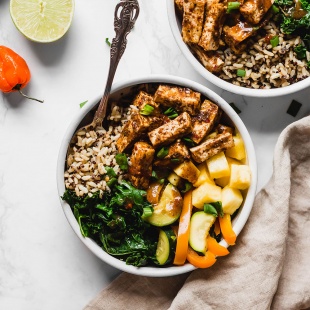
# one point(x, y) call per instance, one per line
point(225, 180)
point(174, 179)
point(231, 199)
point(187, 170)
point(218, 166)
point(204, 175)
point(206, 193)
point(240, 176)
point(237, 151)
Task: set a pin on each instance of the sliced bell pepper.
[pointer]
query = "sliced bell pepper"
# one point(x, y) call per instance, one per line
point(198, 261)
point(227, 230)
point(183, 230)
point(214, 247)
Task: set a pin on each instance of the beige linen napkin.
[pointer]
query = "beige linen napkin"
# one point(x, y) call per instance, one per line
point(269, 268)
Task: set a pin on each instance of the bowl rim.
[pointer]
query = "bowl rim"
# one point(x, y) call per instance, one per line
point(238, 222)
point(239, 90)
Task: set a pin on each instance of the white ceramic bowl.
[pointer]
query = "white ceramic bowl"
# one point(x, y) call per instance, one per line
point(238, 222)
point(176, 27)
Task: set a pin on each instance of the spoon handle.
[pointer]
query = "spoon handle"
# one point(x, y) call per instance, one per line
point(126, 13)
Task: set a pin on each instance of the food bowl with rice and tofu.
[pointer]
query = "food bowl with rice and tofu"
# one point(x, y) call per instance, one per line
point(166, 184)
point(258, 48)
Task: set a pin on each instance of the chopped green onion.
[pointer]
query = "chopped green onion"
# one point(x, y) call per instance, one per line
point(83, 103)
point(188, 186)
point(161, 181)
point(110, 171)
point(241, 72)
point(107, 41)
point(147, 212)
point(175, 160)
point(218, 207)
point(232, 6)
point(274, 41)
point(189, 141)
point(112, 182)
point(275, 9)
point(121, 160)
point(171, 113)
point(294, 108)
point(300, 51)
point(163, 152)
point(154, 174)
point(237, 110)
point(147, 110)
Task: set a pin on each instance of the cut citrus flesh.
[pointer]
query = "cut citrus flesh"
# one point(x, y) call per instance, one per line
point(42, 21)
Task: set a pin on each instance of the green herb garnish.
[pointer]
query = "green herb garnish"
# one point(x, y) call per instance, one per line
point(188, 186)
point(189, 141)
point(83, 103)
point(147, 110)
point(175, 160)
point(275, 9)
point(147, 212)
point(231, 6)
point(112, 182)
point(171, 113)
point(214, 208)
point(241, 72)
point(274, 41)
point(163, 152)
point(107, 41)
point(110, 172)
point(121, 160)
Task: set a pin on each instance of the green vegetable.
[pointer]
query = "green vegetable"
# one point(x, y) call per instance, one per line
point(275, 9)
point(120, 231)
point(300, 51)
point(147, 211)
point(110, 171)
point(171, 113)
point(154, 174)
point(175, 160)
point(241, 72)
point(112, 182)
point(83, 103)
point(188, 186)
point(189, 141)
point(290, 24)
point(147, 110)
point(214, 208)
point(121, 160)
point(166, 246)
point(284, 2)
point(107, 41)
point(163, 152)
point(274, 41)
point(305, 4)
point(231, 6)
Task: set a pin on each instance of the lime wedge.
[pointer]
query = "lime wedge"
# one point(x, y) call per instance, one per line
point(42, 21)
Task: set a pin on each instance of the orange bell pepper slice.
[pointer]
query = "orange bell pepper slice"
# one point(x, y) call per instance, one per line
point(217, 229)
point(183, 230)
point(226, 228)
point(214, 247)
point(198, 261)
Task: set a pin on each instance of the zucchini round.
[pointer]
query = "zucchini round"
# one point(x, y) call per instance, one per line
point(166, 246)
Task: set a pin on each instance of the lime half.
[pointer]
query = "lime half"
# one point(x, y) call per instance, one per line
point(42, 21)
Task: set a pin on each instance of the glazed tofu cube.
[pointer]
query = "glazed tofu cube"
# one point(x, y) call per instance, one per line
point(254, 10)
point(220, 128)
point(182, 99)
point(204, 121)
point(231, 199)
point(143, 99)
point(225, 180)
point(218, 166)
point(240, 176)
point(192, 23)
point(238, 150)
point(171, 131)
point(141, 160)
point(204, 175)
point(212, 147)
point(206, 193)
point(188, 171)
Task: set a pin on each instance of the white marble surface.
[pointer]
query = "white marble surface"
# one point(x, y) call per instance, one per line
point(43, 265)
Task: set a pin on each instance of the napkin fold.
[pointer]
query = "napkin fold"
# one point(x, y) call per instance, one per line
point(269, 268)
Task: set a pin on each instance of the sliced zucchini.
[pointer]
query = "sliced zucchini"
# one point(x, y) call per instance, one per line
point(168, 210)
point(200, 225)
point(165, 246)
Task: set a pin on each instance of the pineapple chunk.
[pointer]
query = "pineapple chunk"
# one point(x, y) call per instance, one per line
point(237, 151)
point(218, 166)
point(204, 175)
point(174, 179)
point(187, 170)
point(240, 176)
point(206, 193)
point(225, 180)
point(231, 199)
